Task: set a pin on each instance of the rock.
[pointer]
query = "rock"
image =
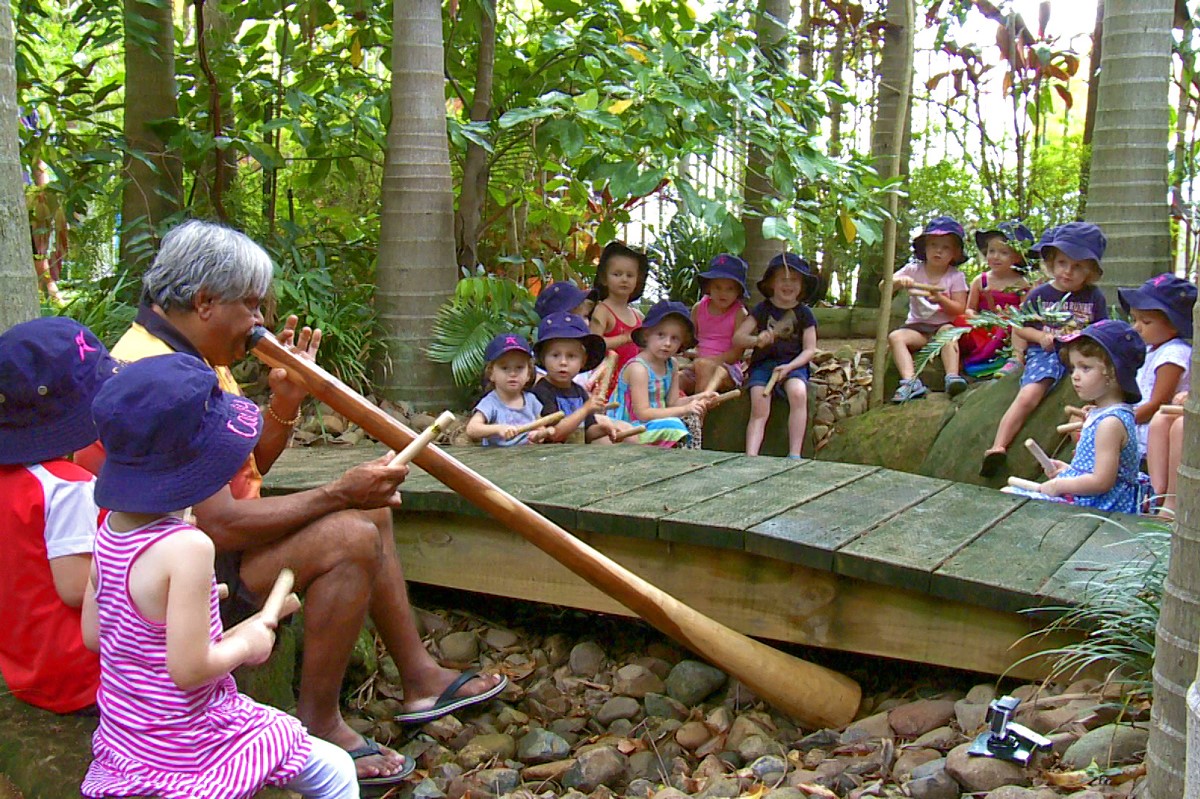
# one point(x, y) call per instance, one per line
point(1017, 792)
point(427, 789)
point(786, 792)
point(619, 707)
point(542, 746)
point(981, 694)
point(486, 748)
point(942, 738)
point(875, 726)
point(495, 781)
point(1050, 719)
point(691, 682)
point(918, 718)
point(556, 648)
point(1110, 745)
point(755, 746)
point(510, 716)
point(821, 739)
point(640, 788)
point(909, 759)
point(970, 716)
point(657, 666)
point(586, 659)
point(644, 765)
point(460, 647)
point(603, 765)
point(768, 764)
point(929, 769)
point(892, 436)
point(334, 424)
point(547, 771)
point(665, 707)
point(743, 727)
point(720, 719)
point(982, 773)
point(721, 788)
point(497, 638)
point(1060, 742)
point(670, 793)
point(692, 734)
point(620, 728)
point(936, 786)
point(636, 681)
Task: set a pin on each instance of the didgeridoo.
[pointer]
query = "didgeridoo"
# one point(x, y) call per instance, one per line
point(812, 694)
point(544, 421)
point(630, 433)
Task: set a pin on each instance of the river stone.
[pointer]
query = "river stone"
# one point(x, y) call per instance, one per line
point(768, 764)
point(542, 746)
point(461, 647)
point(970, 716)
point(603, 765)
point(636, 681)
point(942, 738)
point(786, 792)
point(586, 659)
point(1017, 792)
point(670, 793)
point(664, 707)
point(909, 759)
point(917, 718)
point(497, 638)
point(691, 682)
point(752, 747)
point(427, 789)
point(692, 734)
point(619, 707)
point(547, 771)
point(982, 773)
point(644, 765)
point(936, 786)
point(1110, 745)
point(981, 694)
point(721, 788)
point(485, 748)
point(640, 788)
point(495, 781)
point(875, 726)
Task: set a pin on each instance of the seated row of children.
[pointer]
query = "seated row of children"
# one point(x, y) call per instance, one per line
point(647, 388)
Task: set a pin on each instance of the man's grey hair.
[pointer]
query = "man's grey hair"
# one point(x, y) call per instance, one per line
point(199, 255)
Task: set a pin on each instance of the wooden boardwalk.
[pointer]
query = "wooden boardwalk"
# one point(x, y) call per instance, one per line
point(827, 554)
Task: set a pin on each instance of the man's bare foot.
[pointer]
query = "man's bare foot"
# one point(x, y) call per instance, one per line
point(447, 691)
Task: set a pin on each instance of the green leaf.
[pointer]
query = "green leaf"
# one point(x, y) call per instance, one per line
point(733, 234)
point(520, 116)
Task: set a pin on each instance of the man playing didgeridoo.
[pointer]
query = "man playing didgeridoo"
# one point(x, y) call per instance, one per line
point(201, 296)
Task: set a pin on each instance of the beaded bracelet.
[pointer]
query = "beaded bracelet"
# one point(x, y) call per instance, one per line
point(284, 422)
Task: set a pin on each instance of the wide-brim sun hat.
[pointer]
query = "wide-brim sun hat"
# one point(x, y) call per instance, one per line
point(942, 226)
point(1125, 349)
point(1171, 295)
point(570, 326)
point(562, 296)
point(661, 310)
point(726, 267)
point(173, 438)
point(789, 260)
point(50, 371)
point(1079, 241)
point(1013, 234)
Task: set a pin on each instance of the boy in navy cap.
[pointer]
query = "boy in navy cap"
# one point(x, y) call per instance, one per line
point(50, 370)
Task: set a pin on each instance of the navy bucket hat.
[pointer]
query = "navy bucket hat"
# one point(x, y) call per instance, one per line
point(172, 436)
point(727, 267)
point(1047, 236)
point(1079, 241)
point(1125, 349)
point(50, 371)
point(1171, 295)
point(660, 311)
point(562, 296)
point(506, 342)
point(789, 260)
point(942, 226)
point(568, 325)
point(1014, 235)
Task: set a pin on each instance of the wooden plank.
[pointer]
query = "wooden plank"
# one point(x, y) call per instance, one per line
point(904, 550)
point(810, 533)
point(1005, 567)
point(758, 596)
point(641, 509)
point(302, 468)
point(1113, 543)
point(722, 520)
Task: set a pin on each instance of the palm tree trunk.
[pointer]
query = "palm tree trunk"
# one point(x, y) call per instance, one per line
point(1127, 192)
point(18, 281)
point(1089, 117)
point(476, 169)
point(416, 270)
point(152, 193)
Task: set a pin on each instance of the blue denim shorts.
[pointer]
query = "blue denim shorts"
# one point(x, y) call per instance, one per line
point(760, 375)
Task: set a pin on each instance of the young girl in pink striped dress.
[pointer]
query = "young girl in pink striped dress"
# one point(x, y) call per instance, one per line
point(172, 723)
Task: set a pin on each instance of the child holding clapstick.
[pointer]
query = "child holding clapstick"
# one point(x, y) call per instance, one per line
point(647, 390)
point(783, 332)
point(498, 417)
point(1071, 256)
point(937, 292)
point(564, 347)
point(1103, 474)
point(172, 723)
point(1003, 285)
point(716, 317)
point(620, 279)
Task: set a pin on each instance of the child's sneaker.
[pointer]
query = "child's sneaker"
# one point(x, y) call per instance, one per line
point(1011, 366)
point(909, 390)
point(955, 385)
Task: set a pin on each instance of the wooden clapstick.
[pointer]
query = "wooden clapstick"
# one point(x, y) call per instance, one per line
point(276, 605)
point(1072, 411)
point(1171, 410)
point(420, 442)
point(930, 287)
point(771, 383)
point(1069, 427)
point(548, 419)
point(1040, 455)
point(630, 433)
point(603, 373)
point(612, 406)
point(724, 397)
point(1028, 485)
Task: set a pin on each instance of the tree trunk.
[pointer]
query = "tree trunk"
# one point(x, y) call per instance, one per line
point(1179, 619)
point(837, 59)
point(18, 281)
point(771, 29)
point(1089, 118)
point(416, 270)
point(473, 195)
point(152, 193)
point(1127, 195)
point(895, 68)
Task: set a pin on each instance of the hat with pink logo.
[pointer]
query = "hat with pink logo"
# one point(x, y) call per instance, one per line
point(173, 437)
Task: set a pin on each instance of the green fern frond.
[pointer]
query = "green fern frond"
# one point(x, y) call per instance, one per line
point(934, 346)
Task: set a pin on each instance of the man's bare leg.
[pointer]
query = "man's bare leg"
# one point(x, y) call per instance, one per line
point(336, 560)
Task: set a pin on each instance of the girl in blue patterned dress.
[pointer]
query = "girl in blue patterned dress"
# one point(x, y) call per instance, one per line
point(1103, 474)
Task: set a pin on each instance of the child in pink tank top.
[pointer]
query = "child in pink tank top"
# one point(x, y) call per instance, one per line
point(718, 364)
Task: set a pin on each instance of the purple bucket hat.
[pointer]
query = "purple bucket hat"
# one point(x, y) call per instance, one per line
point(172, 436)
point(1013, 233)
point(1171, 295)
point(50, 371)
point(1079, 241)
point(728, 267)
point(1125, 349)
point(506, 342)
point(942, 226)
point(562, 296)
point(655, 316)
point(789, 260)
point(568, 325)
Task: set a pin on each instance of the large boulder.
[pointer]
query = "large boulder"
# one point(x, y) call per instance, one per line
point(892, 436)
point(725, 427)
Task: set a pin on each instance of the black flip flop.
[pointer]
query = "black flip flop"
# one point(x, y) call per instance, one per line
point(447, 703)
point(993, 462)
point(371, 747)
